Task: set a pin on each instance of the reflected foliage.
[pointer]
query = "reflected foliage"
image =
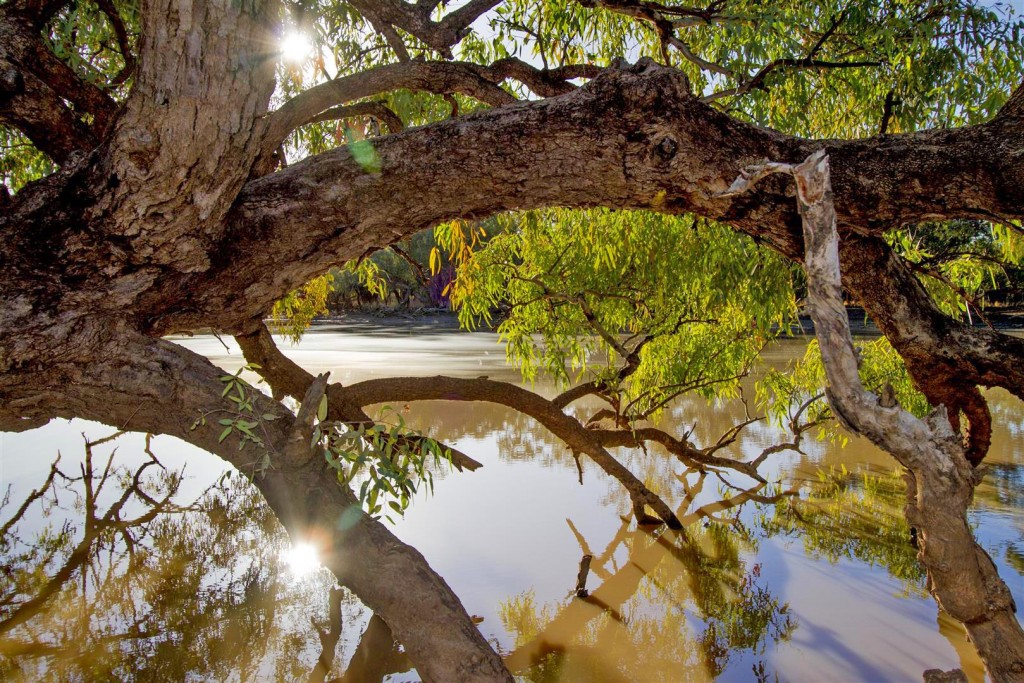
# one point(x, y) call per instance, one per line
point(855, 517)
point(108, 576)
point(668, 606)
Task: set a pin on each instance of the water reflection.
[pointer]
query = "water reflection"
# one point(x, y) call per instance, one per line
point(107, 576)
point(185, 582)
point(856, 517)
point(678, 607)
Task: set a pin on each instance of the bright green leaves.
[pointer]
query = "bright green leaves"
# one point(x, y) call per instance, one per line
point(961, 262)
point(919, 64)
point(796, 395)
point(241, 419)
point(685, 304)
point(84, 38)
point(385, 461)
point(20, 161)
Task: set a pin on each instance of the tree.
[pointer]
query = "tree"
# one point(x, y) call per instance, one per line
point(147, 191)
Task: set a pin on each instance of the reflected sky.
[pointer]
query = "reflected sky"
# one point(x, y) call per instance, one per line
point(748, 592)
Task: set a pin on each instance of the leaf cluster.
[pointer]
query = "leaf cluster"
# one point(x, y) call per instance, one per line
point(387, 461)
point(646, 304)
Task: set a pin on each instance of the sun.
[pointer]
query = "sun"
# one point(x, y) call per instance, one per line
point(302, 559)
point(295, 47)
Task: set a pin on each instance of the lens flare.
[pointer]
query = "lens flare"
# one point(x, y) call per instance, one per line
point(301, 559)
point(295, 48)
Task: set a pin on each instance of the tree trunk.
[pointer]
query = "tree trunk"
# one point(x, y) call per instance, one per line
point(941, 480)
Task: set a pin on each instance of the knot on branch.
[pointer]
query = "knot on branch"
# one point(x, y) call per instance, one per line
point(666, 148)
point(644, 80)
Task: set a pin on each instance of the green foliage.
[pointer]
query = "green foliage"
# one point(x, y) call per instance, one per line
point(20, 161)
point(796, 393)
point(692, 302)
point(292, 315)
point(387, 461)
point(83, 37)
point(939, 63)
point(965, 265)
point(247, 425)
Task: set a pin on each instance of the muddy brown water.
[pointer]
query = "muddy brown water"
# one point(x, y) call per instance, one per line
point(751, 591)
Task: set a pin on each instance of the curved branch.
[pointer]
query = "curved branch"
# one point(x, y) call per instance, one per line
point(288, 378)
point(123, 41)
point(628, 139)
point(436, 77)
point(571, 432)
point(962, 577)
point(946, 358)
point(377, 110)
point(691, 457)
point(465, 78)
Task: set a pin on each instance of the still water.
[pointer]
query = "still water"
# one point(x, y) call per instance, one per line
point(146, 560)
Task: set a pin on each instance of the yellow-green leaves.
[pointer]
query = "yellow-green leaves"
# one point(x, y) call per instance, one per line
point(691, 300)
point(293, 314)
point(384, 461)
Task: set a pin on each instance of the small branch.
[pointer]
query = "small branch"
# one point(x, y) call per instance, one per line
point(887, 111)
point(123, 41)
point(287, 378)
point(581, 577)
point(758, 79)
point(566, 428)
point(377, 110)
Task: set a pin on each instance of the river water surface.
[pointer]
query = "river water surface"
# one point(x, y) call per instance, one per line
point(129, 571)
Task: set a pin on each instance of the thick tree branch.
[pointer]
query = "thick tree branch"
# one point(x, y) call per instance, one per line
point(628, 139)
point(946, 358)
point(963, 578)
point(31, 106)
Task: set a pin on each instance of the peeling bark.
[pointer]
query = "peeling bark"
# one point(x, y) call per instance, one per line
point(962, 577)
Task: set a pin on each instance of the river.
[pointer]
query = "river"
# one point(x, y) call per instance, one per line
point(204, 586)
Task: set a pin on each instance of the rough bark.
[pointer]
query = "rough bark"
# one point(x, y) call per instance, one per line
point(962, 577)
point(161, 219)
point(633, 138)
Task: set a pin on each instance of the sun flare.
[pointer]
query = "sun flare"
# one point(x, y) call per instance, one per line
point(301, 559)
point(295, 47)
